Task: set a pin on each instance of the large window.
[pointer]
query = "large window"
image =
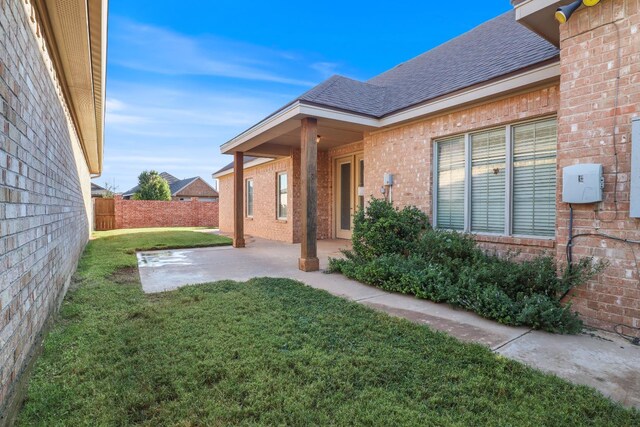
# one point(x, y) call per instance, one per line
point(488, 181)
point(501, 181)
point(534, 178)
point(282, 196)
point(450, 177)
point(249, 203)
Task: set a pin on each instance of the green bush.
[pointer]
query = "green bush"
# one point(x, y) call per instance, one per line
point(397, 250)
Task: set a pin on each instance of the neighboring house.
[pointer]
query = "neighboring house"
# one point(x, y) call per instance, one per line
point(52, 80)
point(184, 189)
point(476, 133)
point(98, 191)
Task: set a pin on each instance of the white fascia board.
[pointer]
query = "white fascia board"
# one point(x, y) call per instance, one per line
point(529, 7)
point(508, 84)
point(511, 83)
point(252, 163)
point(268, 123)
point(342, 116)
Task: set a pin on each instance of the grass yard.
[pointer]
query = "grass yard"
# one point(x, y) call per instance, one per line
point(270, 351)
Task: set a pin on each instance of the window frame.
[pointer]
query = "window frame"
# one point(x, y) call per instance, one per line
point(279, 195)
point(246, 197)
point(509, 184)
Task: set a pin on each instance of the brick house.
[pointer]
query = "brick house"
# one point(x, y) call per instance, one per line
point(52, 80)
point(476, 133)
point(184, 190)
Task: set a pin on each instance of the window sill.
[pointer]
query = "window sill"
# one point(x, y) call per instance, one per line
point(515, 240)
point(281, 221)
point(248, 218)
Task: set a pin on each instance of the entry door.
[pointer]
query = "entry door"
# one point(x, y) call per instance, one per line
point(349, 184)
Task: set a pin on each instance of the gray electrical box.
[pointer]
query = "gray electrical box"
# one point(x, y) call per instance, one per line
point(388, 178)
point(634, 197)
point(582, 183)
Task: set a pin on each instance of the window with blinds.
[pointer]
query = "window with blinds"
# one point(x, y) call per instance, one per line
point(534, 178)
point(249, 202)
point(488, 151)
point(450, 177)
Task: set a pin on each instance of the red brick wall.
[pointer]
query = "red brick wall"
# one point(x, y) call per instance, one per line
point(588, 123)
point(264, 222)
point(154, 213)
point(406, 152)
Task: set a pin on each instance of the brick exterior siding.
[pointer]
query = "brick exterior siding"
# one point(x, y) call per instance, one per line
point(588, 123)
point(407, 153)
point(45, 193)
point(197, 188)
point(583, 102)
point(154, 213)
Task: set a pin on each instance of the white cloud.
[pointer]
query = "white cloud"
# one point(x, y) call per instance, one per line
point(162, 51)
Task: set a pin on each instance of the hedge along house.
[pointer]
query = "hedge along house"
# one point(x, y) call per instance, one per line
point(52, 82)
point(476, 133)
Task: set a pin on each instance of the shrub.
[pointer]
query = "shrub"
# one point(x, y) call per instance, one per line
point(152, 186)
point(396, 250)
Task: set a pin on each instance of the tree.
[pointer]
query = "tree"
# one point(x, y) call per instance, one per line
point(151, 186)
point(110, 191)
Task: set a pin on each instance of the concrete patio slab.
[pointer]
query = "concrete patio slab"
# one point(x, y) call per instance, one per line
point(604, 361)
point(609, 364)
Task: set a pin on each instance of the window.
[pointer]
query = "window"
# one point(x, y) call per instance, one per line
point(498, 181)
point(282, 196)
point(488, 181)
point(249, 201)
point(450, 179)
point(534, 178)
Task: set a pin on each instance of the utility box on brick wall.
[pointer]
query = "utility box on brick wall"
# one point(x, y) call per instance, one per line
point(634, 197)
point(582, 183)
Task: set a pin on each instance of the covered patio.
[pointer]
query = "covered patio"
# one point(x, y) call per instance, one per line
point(311, 131)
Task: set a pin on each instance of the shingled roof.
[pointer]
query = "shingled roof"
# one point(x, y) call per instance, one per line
point(247, 159)
point(175, 184)
point(496, 48)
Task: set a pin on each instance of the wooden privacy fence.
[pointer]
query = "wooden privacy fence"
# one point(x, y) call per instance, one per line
point(105, 211)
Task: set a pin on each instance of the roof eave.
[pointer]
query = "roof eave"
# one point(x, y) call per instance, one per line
point(538, 16)
point(535, 75)
point(76, 40)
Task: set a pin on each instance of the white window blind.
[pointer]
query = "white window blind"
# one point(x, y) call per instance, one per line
point(450, 176)
point(488, 150)
point(534, 178)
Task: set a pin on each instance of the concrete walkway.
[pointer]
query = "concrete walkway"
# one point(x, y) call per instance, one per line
point(603, 361)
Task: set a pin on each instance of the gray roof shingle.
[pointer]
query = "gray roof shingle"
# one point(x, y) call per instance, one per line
point(175, 184)
point(496, 48)
point(493, 49)
point(247, 159)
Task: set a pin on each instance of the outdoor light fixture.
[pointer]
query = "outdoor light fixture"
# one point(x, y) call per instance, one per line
point(563, 13)
point(318, 139)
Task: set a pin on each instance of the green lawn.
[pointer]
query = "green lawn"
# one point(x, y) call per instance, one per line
point(267, 352)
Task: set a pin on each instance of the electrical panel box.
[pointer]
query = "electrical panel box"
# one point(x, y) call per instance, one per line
point(634, 196)
point(388, 178)
point(582, 183)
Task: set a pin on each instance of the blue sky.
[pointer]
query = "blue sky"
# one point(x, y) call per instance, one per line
point(184, 77)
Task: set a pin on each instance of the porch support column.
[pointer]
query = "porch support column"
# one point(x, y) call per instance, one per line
point(238, 199)
point(309, 195)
